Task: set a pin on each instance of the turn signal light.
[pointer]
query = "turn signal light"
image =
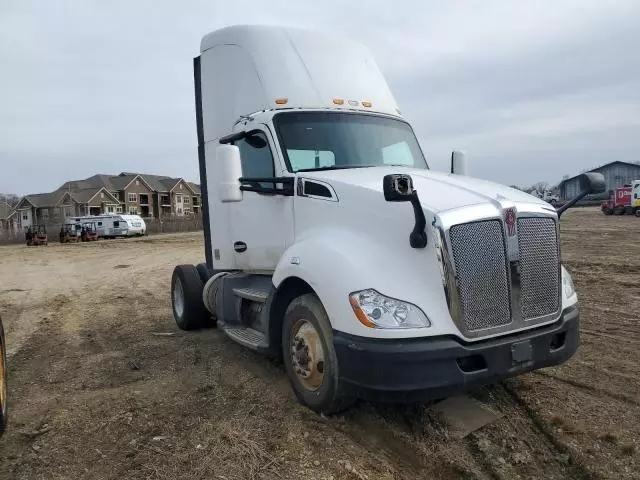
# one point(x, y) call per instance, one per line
point(366, 104)
point(360, 315)
point(281, 101)
point(338, 101)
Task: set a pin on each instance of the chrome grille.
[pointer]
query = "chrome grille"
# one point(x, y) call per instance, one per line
point(481, 272)
point(539, 267)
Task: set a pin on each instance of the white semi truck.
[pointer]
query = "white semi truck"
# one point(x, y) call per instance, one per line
point(331, 244)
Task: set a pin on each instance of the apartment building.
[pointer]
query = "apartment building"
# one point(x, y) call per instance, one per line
point(150, 196)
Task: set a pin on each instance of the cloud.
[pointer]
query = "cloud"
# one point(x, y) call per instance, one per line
point(531, 90)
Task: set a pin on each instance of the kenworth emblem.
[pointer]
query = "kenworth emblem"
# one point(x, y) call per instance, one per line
point(510, 220)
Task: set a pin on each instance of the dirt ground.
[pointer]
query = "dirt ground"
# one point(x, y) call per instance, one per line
point(96, 393)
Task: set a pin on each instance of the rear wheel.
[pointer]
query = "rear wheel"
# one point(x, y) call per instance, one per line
point(204, 272)
point(3, 381)
point(310, 358)
point(186, 298)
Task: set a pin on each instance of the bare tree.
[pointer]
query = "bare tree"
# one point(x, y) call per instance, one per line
point(540, 186)
point(11, 198)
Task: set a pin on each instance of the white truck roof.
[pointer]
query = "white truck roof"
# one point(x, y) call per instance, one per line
point(246, 69)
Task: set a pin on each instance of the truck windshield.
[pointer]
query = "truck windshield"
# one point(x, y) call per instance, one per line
point(333, 140)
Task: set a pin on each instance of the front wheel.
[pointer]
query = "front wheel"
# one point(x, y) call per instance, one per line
point(310, 358)
point(186, 298)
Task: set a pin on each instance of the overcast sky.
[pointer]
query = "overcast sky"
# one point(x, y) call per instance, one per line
point(530, 90)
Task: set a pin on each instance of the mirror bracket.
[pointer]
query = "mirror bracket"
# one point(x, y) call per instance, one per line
point(399, 188)
point(591, 182)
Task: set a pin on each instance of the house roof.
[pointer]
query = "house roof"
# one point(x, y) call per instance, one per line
point(84, 190)
point(162, 183)
point(154, 181)
point(44, 199)
point(195, 187)
point(86, 194)
point(100, 180)
point(601, 167)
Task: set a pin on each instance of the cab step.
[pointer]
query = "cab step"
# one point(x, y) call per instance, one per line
point(253, 294)
point(247, 337)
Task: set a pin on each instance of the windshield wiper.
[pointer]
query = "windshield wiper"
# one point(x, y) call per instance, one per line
point(334, 167)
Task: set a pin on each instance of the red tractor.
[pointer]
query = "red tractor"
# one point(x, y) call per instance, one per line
point(620, 204)
point(89, 232)
point(36, 235)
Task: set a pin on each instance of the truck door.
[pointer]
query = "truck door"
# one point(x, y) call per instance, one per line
point(261, 224)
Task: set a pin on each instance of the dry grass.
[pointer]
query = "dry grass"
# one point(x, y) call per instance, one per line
point(121, 401)
point(628, 448)
point(609, 437)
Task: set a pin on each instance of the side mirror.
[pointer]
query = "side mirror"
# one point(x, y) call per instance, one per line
point(397, 188)
point(458, 163)
point(228, 173)
point(592, 182)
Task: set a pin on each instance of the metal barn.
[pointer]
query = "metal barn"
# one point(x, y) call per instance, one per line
point(615, 174)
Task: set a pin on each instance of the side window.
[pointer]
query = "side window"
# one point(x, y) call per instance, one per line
point(257, 160)
point(116, 224)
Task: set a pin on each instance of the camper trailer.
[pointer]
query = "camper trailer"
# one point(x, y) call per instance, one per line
point(112, 226)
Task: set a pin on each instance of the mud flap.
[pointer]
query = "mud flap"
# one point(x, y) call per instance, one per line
point(464, 415)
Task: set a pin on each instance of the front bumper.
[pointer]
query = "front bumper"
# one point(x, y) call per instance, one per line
point(418, 369)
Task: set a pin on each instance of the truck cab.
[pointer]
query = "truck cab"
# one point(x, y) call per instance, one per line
point(330, 243)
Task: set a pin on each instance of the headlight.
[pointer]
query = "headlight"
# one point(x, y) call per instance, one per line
point(377, 311)
point(567, 283)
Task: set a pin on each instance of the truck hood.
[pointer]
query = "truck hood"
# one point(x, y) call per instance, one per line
point(438, 191)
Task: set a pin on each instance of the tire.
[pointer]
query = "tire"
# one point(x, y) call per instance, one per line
point(204, 272)
point(322, 391)
point(186, 298)
point(636, 212)
point(3, 381)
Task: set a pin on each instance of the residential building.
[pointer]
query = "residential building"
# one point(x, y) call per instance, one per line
point(150, 196)
point(8, 217)
point(615, 174)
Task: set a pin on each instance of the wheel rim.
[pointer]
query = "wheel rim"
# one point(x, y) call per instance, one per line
point(178, 297)
point(307, 355)
point(3, 382)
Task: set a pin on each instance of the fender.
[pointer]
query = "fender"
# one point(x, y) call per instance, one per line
point(337, 262)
